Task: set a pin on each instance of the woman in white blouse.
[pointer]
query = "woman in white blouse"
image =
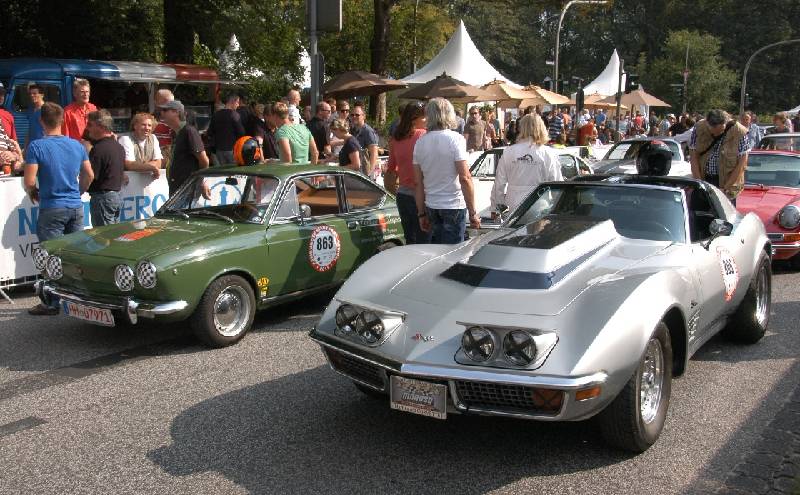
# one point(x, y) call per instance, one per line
point(525, 165)
point(142, 152)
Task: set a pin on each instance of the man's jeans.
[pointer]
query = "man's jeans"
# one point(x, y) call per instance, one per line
point(407, 207)
point(447, 226)
point(58, 222)
point(104, 208)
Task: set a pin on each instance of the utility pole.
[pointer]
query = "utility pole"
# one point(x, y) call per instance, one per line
point(558, 34)
point(747, 67)
point(312, 48)
point(685, 79)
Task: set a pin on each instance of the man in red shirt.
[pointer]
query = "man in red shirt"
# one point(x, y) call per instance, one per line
point(76, 114)
point(162, 131)
point(6, 118)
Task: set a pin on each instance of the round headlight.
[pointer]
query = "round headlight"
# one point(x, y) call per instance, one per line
point(53, 268)
point(40, 256)
point(519, 348)
point(369, 326)
point(478, 343)
point(123, 277)
point(146, 274)
point(789, 217)
point(346, 316)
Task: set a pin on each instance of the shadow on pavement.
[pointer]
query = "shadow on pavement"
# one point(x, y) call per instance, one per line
point(314, 432)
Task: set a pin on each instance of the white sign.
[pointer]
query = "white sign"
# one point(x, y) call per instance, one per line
point(730, 272)
point(323, 248)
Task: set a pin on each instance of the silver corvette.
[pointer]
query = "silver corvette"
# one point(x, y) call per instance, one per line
point(587, 301)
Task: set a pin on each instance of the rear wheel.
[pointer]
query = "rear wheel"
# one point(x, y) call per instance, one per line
point(225, 312)
point(749, 323)
point(634, 420)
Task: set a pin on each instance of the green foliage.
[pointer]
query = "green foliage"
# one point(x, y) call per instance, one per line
point(710, 82)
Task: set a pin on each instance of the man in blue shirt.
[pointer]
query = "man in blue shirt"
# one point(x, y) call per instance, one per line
point(34, 112)
point(64, 172)
point(366, 137)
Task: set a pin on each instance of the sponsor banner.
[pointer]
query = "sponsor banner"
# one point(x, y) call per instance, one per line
point(141, 198)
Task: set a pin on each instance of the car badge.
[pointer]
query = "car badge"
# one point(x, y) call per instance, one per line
point(419, 337)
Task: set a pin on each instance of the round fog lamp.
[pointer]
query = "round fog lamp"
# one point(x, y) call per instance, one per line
point(478, 343)
point(369, 326)
point(789, 217)
point(519, 348)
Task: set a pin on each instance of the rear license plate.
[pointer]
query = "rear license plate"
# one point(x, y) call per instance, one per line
point(98, 316)
point(418, 397)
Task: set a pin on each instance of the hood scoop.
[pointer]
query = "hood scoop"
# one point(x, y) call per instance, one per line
point(536, 256)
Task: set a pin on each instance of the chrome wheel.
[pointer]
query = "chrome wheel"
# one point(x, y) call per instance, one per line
point(231, 311)
point(762, 297)
point(652, 380)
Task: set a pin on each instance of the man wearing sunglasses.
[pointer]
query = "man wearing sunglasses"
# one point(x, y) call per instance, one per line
point(366, 137)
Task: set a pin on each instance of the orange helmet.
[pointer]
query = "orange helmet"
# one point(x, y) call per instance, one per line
point(246, 151)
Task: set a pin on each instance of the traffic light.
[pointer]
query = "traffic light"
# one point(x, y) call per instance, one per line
point(631, 83)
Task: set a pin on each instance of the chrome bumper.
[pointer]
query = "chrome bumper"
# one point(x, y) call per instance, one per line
point(570, 410)
point(131, 307)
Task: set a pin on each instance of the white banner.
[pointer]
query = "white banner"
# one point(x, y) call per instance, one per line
point(141, 198)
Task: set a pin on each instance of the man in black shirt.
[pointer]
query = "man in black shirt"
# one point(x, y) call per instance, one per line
point(188, 153)
point(224, 129)
point(319, 129)
point(108, 164)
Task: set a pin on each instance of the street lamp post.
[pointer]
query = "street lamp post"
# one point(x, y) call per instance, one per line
point(558, 33)
point(747, 67)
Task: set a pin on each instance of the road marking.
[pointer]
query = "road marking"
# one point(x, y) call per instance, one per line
point(21, 425)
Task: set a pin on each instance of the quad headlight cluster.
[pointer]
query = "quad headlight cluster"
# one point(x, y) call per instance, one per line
point(145, 275)
point(367, 326)
point(789, 217)
point(49, 265)
point(498, 346)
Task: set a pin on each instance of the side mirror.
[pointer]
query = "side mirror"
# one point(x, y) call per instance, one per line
point(305, 212)
point(719, 227)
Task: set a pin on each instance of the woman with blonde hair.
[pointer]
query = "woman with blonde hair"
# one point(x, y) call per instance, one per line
point(349, 154)
point(142, 151)
point(525, 165)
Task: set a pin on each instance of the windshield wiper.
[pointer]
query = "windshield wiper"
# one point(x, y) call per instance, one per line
point(178, 212)
point(212, 213)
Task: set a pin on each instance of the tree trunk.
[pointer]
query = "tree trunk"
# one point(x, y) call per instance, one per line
point(178, 32)
point(380, 49)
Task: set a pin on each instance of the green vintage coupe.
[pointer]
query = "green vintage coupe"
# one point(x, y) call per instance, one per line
point(231, 241)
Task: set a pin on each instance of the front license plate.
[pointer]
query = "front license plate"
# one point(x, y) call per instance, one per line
point(98, 316)
point(418, 397)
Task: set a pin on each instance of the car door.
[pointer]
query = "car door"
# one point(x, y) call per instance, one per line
point(365, 218)
point(483, 173)
point(304, 252)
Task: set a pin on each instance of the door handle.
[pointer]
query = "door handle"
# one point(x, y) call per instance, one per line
point(353, 224)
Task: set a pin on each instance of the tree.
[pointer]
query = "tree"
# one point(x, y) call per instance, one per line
point(710, 83)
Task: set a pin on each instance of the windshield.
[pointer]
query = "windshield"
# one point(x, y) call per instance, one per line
point(637, 212)
point(773, 170)
point(230, 198)
point(784, 143)
point(629, 150)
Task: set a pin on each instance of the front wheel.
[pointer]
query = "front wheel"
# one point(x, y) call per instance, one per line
point(634, 419)
point(749, 323)
point(225, 312)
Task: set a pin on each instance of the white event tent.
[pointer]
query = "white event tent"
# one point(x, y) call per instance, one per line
point(461, 60)
point(607, 82)
point(794, 111)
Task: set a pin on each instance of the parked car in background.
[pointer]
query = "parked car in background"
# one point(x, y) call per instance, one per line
point(785, 141)
point(586, 302)
point(231, 241)
point(772, 191)
point(621, 158)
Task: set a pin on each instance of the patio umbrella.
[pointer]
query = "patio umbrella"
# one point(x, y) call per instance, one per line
point(541, 97)
point(503, 91)
point(445, 86)
point(593, 101)
point(637, 97)
point(359, 83)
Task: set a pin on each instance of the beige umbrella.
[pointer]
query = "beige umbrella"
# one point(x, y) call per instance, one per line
point(594, 101)
point(445, 86)
point(541, 97)
point(503, 91)
point(637, 97)
point(359, 83)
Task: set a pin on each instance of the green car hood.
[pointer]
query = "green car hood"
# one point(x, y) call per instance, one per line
point(145, 239)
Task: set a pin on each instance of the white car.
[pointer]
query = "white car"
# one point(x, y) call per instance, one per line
point(621, 158)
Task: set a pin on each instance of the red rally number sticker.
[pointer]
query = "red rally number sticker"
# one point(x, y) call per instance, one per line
point(730, 272)
point(324, 248)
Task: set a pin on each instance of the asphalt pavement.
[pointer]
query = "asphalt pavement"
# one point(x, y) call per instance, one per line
point(86, 409)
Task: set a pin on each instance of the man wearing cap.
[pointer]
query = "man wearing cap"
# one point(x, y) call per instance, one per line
point(719, 151)
point(188, 152)
point(108, 164)
point(6, 119)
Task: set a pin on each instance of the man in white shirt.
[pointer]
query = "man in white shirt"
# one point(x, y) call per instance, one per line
point(444, 194)
point(142, 151)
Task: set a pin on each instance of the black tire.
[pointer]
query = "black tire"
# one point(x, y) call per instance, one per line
point(233, 298)
point(794, 262)
point(622, 422)
point(369, 392)
point(749, 323)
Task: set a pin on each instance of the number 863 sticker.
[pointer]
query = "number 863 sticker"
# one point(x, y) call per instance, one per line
point(730, 272)
point(323, 248)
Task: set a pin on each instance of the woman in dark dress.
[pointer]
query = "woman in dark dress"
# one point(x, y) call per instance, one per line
point(349, 156)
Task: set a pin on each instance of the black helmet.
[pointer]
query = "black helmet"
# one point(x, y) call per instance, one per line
point(654, 158)
point(246, 151)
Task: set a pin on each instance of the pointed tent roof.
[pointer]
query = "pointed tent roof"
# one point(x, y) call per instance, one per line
point(461, 60)
point(607, 82)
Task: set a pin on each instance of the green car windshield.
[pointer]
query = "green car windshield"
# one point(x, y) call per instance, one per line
point(637, 212)
point(225, 197)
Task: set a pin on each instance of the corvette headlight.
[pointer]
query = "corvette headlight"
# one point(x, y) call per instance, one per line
point(519, 348)
point(40, 256)
point(123, 277)
point(366, 325)
point(346, 316)
point(478, 344)
point(146, 274)
point(53, 268)
point(369, 326)
point(789, 217)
